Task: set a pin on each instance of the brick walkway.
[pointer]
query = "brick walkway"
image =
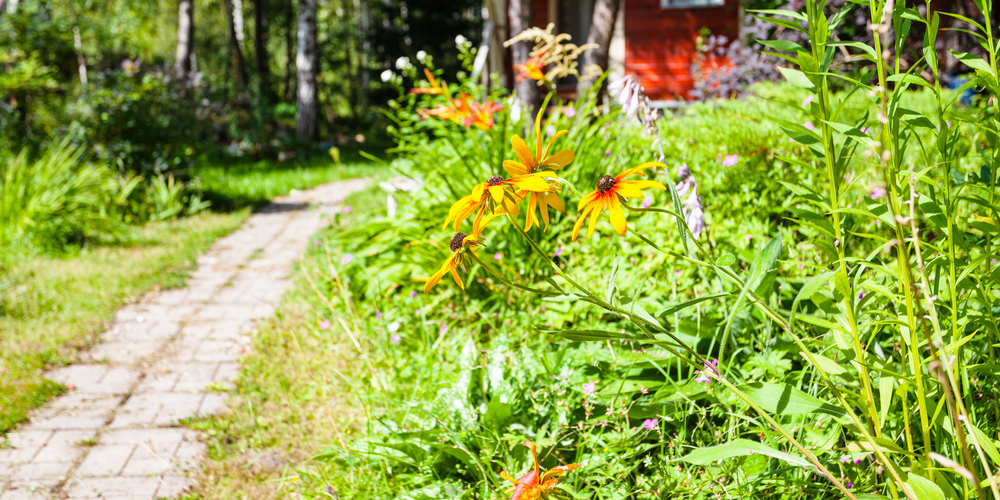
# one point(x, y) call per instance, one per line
point(116, 432)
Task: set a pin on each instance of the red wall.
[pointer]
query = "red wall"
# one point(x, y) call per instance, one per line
point(660, 43)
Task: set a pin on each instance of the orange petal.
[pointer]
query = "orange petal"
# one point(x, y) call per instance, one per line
point(556, 202)
point(515, 169)
point(538, 124)
point(617, 217)
point(533, 182)
point(522, 152)
point(643, 184)
point(560, 159)
point(544, 207)
point(456, 277)
point(553, 139)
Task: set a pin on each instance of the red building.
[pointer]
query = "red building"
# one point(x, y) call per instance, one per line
point(654, 40)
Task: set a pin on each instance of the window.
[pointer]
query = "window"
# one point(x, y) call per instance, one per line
point(684, 4)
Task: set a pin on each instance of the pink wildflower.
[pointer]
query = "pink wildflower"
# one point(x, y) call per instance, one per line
point(809, 125)
point(650, 424)
point(324, 324)
point(346, 259)
point(730, 160)
point(589, 388)
point(877, 193)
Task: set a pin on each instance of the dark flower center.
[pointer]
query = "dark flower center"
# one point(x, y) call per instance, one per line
point(456, 242)
point(605, 184)
point(495, 180)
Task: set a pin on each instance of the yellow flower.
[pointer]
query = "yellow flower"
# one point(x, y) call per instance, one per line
point(498, 195)
point(532, 485)
point(609, 194)
point(540, 161)
point(460, 245)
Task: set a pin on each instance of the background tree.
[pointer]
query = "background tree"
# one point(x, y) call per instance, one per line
point(519, 18)
point(305, 63)
point(601, 28)
point(185, 37)
point(265, 93)
point(233, 35)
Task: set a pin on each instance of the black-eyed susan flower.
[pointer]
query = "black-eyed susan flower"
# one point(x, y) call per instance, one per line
point(461, 246)
point(610, 193)
point(497, 195)
point(539, 161)
point(532, 485)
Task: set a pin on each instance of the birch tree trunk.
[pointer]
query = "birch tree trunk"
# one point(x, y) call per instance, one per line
point(601, 28)
point(185, 38)
point(239, 69)
point(519, 16)
point(305, 64)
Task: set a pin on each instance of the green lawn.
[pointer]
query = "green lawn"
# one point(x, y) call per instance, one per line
point(51, 308)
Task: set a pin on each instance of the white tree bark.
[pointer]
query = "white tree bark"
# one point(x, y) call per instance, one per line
point(306, 66)
point(185, 37)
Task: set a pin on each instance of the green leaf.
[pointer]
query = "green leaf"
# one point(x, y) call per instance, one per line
point(781, 45)
point(609, 295)
point(726, 260)
point(591, 335)
point(672, 308)
point(797, 78)
point(923, 488)
point(569, 297)
point(885, 386)
point(739, 448)
point(974, 62)
point(783, 399)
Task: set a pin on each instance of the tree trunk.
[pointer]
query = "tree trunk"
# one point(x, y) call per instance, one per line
point(261, 58)
point(305, 64)
point(185, 39)
point(601, 28)
point(366, 48)
point(528, 95)
point(239, 69)
point(289, 46)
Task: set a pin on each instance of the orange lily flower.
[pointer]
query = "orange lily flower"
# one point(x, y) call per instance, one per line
point(532, 485)
point(532, 68)
point(539, 161)
point(457, 110)
point(609, 194)
point(481, 115)
point(434, 89)
point(497, 194)
point(460, 245)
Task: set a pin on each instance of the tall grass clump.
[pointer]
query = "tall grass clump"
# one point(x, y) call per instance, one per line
point(54, 200)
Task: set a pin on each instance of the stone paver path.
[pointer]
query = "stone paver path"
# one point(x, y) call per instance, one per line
point(116, 434)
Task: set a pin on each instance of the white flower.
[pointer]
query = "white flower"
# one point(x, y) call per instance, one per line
point(421, 56)
point(693, 214)
point(629, 94)
point(460, 40)
point(515, 109)
point(387, 75)
point(393, 327)
point(403, 63)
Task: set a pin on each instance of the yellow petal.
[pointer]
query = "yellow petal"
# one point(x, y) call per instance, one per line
point(522, 152)
point(497, 193)
point(529, 216)
point(643, 184)
point(617, 217)
point(560, 159)
point(538, 130)
point(598, 208)
point(589, 197)
point(627, 190)
point(553, 139)
point(515, 169)
point(436, 277)
point(579, 222)
point(458, 279)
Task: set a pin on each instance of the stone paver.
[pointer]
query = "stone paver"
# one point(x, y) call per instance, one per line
point(116, 433)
